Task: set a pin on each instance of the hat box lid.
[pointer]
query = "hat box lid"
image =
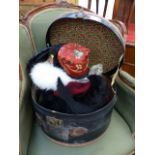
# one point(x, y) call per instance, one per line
point(94, 32)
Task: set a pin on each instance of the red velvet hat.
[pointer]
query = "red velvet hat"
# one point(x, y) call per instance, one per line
point(74, 59)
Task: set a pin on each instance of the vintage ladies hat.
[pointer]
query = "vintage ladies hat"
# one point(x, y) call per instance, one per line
point(74, 59)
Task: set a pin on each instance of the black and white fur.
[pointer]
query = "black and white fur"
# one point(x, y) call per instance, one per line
point(45, 76)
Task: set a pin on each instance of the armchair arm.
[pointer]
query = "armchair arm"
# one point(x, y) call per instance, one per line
point(25, 107)
point(126, 101)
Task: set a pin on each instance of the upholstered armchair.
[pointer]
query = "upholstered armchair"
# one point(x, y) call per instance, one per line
point(118, 138)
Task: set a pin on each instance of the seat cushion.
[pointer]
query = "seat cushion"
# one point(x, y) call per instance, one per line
point(117, 140)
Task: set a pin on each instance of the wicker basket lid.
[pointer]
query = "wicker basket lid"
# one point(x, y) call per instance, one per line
point(96, 33)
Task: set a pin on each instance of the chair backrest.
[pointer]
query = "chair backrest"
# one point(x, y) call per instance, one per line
point(123, 9)
point(97, 6)
point(39, 19)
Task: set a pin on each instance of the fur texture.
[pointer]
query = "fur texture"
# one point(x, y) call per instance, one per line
point(95, 98)
point(44, 75)
point(96, 70)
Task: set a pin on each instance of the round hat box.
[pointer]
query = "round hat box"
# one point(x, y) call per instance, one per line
point(107, 47)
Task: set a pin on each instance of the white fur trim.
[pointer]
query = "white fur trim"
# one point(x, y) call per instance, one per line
point(44, 75)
